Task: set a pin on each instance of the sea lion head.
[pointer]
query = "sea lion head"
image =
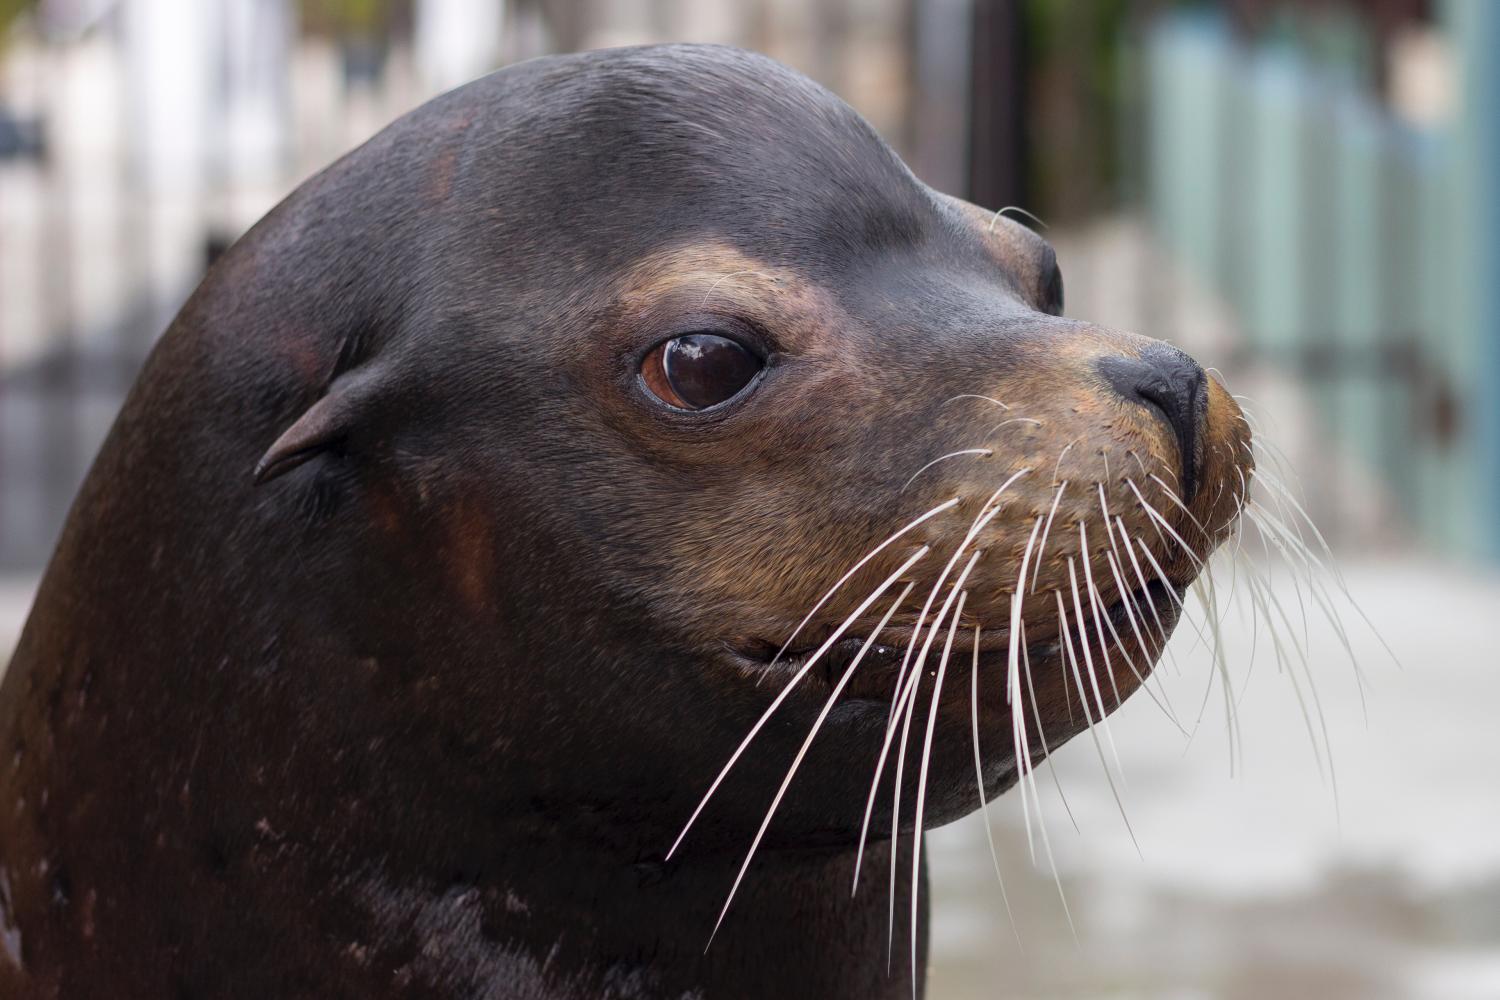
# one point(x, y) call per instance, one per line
point(663, 375)
point(506, 478)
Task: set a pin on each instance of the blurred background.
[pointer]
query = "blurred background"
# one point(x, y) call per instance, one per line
point(1305, 195)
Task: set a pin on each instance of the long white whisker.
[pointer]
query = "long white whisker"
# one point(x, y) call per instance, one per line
point(1088, 659)
point(1203, 589)
point(725, 277)
point(855, 569)
point(790, 685)
point(1172, 496)
point(1037, 572)
point(937, 692)
point(1047, 754)
point(1140, 576)
point(1112, 558)
point(987, 513)
point(1156, 516)
point(1000, 212)
point(975, 395)
point(1013, 672)
point(1057, 466)
point(1066, 631)
point(1158, 697)
point(989, 833)
point(1014, 420)
point(951, 454)
point(1041, 732)
point(1095, 600)
point(791, 772)
point(984, 518)
point(910, 711)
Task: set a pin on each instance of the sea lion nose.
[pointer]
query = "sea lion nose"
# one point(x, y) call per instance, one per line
point(1166, 380)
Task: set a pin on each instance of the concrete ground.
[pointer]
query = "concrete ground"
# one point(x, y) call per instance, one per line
point(1265, 883)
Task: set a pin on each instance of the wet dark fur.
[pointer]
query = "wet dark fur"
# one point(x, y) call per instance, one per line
point(420, 716)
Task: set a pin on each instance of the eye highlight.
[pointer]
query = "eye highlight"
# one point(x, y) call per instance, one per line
point(699, 370)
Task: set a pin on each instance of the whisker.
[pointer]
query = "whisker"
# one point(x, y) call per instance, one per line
point(1312, 688)
point(790, 685)
point(1013, 208)
point(1036, 716)
point(1279, 487)
point(937, 692)
point(1172, 496)
point(786, 782)
point(1094, 602)
point(1215, 646)
point(1066, 631)
point(1290, 547)
point(952, 454)
point(1166, 526)
point(896, 703)
point(989, 833)
point(1141, 577)
point(910, 711)
point(1057, 466)
point(1014, 670)
point(974, 395)
point(725, 277)
point(1037, 572)
point(853, 570)
point(1041, 819)
point(1158, 697)
point(1113, 559)
point(987, 513)
point(1311, 560)
point(1202, 588)
point(1014, 420)
point(1260, 592)
point(1088, 659)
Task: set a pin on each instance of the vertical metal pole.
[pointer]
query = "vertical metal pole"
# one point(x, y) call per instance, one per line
point(997, 132)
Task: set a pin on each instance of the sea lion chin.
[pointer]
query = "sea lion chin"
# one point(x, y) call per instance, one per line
point(534, 483)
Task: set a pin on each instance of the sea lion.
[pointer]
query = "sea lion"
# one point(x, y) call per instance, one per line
point(490, 492)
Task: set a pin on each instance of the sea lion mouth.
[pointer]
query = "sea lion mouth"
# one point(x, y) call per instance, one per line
point(1140, 622)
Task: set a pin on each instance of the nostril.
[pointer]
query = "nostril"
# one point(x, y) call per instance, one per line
point(1168, 381)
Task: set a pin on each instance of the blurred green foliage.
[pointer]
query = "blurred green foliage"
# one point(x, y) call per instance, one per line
point(1075, 104)
point(353, 17)
point(11, 9)
point(1083, 76)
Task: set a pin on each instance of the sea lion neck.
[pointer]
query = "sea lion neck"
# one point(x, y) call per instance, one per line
point(536, 929)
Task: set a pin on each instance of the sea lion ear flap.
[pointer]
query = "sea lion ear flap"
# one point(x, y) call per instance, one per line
point(326, 423)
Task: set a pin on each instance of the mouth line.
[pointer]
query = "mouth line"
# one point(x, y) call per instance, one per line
point(875, 679)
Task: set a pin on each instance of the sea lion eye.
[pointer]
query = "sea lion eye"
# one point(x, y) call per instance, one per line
point(699, 370)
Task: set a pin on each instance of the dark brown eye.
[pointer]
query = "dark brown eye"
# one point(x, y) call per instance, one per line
point(699, 370)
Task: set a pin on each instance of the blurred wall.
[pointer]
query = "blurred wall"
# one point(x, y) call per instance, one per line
point(1331, 174)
